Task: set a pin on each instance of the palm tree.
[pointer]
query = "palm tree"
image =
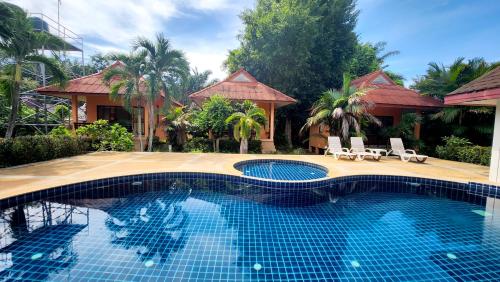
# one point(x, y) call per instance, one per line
point(20, 43)
point(192, 82)
point(441, 80)
point(163, 64)
point(341, 110)
point(251, 119)
point(129, 81)
point(177, 120)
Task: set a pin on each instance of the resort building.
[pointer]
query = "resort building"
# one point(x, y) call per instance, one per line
point(390, 101)
point(91, 94)
point(241, 86)
point(483, 91)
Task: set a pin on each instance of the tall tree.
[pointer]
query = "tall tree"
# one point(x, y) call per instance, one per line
point(370, 57)
point(341, 110)
point(128, 86)
point(298, 47)
point(163, 64)
point(250, 119)
point(20, 43)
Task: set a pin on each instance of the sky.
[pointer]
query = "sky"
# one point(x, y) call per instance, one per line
point(422, 30)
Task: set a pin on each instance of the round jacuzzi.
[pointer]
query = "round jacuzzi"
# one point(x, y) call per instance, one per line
point(282, 169)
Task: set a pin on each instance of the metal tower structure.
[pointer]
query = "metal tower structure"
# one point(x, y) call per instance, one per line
point(43, 118)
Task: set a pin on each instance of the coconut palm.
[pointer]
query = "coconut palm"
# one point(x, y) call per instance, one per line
point(341, 110)
point(163, 65)
point(249, 120)
point(20, 43)
point(126, 83)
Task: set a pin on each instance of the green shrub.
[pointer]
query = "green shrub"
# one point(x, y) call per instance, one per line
point(462, 150)
point(233, 146)
point(28, 149)
point(60, 131)
point(198, 144)
point(104, 137)
point(203, 144)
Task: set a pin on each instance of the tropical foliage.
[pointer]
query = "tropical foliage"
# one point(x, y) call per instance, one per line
point(192, 82)
point(441, 80)
point(19, 43)
point(212, 118)
point(246, 122)
point(298, 47)
point(177, 121)
point(163, 64)
point(342, 111)
point(105, 137)
point(127, 85)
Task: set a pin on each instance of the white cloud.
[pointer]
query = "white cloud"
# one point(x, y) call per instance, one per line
point(111, 25)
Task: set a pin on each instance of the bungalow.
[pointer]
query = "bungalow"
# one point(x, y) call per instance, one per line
point(390, 101)
point(241, 86)
point(92, 94)
point(483, 91)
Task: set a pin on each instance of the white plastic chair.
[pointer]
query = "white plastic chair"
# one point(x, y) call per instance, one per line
point(335, 148)
point(406, 155)
point(358, 147)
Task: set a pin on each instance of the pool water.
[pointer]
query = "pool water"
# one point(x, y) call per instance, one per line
point(186, 233)
point(281, 170)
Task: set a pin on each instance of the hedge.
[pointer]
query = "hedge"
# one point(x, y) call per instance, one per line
point(205, 145)
point(36, 148)
point(462, 150)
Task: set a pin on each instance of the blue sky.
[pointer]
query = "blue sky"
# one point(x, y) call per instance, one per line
point(423, 31)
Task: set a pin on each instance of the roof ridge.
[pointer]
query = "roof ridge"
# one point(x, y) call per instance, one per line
point(85, 76)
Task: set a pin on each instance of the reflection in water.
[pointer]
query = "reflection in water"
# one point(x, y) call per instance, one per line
point(37, 238)
point(154, 225)
point(207, 230)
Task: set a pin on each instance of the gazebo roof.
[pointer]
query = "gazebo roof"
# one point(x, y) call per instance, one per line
point(86, 85)
point(484, 90)
point(385, 92)
point(241, 85)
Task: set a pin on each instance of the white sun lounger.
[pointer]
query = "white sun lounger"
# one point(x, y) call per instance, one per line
point(358, 147)
point(398, 149)
point(335, 148)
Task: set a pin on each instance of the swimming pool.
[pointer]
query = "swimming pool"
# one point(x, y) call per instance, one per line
point(281, 169)
point(208, 227)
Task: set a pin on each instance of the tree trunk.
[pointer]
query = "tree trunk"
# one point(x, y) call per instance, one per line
point(14, 102)
point(244, 146)
point(151, 125)
point(217, 145)
point(139, 129)
point(288, 132)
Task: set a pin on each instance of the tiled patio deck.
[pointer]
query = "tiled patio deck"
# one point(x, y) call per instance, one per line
point(27, 178)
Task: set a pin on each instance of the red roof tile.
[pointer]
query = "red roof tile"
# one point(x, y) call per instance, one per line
point(386, 92)
point(241, 85)
point(86, 85)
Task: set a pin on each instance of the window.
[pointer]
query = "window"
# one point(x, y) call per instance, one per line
point(115, 114)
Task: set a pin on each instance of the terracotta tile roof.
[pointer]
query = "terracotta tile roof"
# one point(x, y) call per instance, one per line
point(386, 92)
point(489, 80)
point(86, 85)
point(241, 85)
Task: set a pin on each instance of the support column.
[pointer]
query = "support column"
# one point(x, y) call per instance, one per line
point(271, 125)
point(74, 110)
point(416, 130)
point(495, 148)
